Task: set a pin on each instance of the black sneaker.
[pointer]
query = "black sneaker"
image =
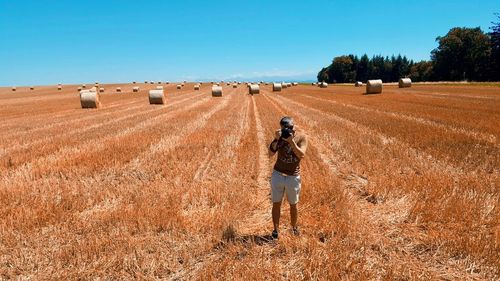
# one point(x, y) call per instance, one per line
point(274, 235)
point(296, 231)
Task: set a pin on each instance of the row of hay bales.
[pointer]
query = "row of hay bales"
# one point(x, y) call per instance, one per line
point(91, 98)
point(372, 86)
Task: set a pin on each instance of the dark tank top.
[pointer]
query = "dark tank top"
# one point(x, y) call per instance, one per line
point(287, 162)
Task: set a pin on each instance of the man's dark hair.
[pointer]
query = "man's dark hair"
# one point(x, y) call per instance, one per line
point(287, 122)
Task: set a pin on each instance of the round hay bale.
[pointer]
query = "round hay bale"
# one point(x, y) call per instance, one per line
point(79, 89)
point(159, 82)
point(216, 91)
point(118, 89)
point(145, 82)
point(254, 89)
point(277, 87)
point(323, 85)
point(196, 87)
point(84, 86)
point(32, 88)
point(14, 89)
point(404, 83)
point(156, 97)
point(159, 87)
point(235, 85)
point(133, 82)
point(358, 84)
point(101, 90)
point(312, 84)
point(135, 89)
point(59, 87)
point(179, 87)
point(167, 82)
point(374, 86)
point(89, 99)
point(295, 84)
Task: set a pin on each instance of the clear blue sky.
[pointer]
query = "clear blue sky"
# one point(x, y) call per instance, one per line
point(46, 42)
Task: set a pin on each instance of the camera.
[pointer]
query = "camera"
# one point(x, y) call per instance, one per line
point(286, 133)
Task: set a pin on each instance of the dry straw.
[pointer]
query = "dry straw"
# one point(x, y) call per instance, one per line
point(118, 90)
point(89, 99)
point(101, 90)
point(135, 89)
point(216, 91)
point(277, 87)
point(156, 97)
point(235, 85)
point(374, 86)
point(404, 83)
point(197, 87)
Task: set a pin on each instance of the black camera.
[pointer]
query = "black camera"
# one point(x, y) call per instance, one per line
point(286, 133)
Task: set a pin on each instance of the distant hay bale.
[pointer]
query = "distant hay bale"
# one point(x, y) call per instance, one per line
point(374, 86)
point(254, 89)
point(216, 91)
point(404, 83)
point(277, 87)
point(288, 85)
point(32, 88)
point(84, 86)
point(323, 85)
point(235, 85)
point(135, 89)
point(178, 87)
point(197, 87)
point(167, 82)
point(14, 89)
point(59, 87)
point(79, 89)
point(152, 82)
point(284, 85)
point(145, 82)
point(101, 90)
point(89, 99)
point(312, 84)
point(358, 84)
point(295, 84)
point(159, 87)
point(133, 82)
point(159, 82)
point(118, 89)
point(156, 97)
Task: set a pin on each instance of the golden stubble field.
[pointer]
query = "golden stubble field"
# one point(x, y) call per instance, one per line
point(402, 185)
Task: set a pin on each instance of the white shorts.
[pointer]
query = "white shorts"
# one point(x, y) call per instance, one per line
point(281, 183)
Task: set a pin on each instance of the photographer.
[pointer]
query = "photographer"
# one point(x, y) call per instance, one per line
point(291, 147)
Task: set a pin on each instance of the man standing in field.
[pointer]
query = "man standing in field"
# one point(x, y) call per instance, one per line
point(291, 147)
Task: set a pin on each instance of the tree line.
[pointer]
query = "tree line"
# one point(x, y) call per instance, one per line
point(462, 54)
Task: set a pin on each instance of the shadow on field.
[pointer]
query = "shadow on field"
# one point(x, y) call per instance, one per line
point(259, 240)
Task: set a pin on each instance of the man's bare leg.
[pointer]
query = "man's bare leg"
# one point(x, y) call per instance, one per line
point(294, 213)
point(276, 215)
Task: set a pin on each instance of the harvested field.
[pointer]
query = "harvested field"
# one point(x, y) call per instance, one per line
point(399, 185)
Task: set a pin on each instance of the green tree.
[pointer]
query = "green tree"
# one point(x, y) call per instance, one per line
point(463, 53)
point(421, 71)
point(342, 69)
point(495, 50)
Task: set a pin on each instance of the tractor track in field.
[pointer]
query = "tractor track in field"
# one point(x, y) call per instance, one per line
point(65, 134)
point(473, 134)
point(25, 171)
